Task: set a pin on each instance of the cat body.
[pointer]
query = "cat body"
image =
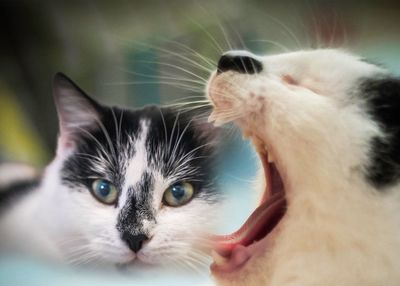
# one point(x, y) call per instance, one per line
point(329, 123)
point(124, 186)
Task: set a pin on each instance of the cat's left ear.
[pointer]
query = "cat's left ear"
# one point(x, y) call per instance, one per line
point(77, 112)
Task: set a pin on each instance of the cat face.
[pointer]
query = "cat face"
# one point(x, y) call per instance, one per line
point(325, 124)
point(329, 82)
point(129, 185)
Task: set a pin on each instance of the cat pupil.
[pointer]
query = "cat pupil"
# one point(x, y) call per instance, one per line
point(104, 189)
point(178, 191)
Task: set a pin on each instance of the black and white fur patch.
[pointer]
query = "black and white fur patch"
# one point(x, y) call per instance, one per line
point(330, 122)
point(142, 152)
point(382, 96)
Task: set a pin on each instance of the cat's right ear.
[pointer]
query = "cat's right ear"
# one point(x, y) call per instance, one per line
point(77, 112)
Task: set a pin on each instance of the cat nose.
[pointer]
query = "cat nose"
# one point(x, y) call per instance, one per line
point(134, 241)
point(241, 63)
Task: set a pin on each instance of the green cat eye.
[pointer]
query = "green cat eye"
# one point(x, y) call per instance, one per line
point(104, 191)
point(178, 194)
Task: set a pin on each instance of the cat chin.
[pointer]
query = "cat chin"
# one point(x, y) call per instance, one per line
point(133, 264)
point(152, 259)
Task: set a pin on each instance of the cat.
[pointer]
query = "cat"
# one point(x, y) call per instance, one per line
point(125, 186)
point(326, 126)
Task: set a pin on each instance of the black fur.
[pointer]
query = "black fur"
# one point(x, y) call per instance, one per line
point(241, 64)
point(81, 166)
point(166, 126)
point(383, 101)
point(138, 207)
point(15, 191)
point(134, 241)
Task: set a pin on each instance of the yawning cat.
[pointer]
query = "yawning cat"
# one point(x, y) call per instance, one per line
point(326, 125)
point(125, 185)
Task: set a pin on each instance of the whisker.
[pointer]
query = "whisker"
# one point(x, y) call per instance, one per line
point(194, 52)
point(177, 85)
point(164, 124)
point(281, 46)
point(110, 143)
point(213, 40)
point(286, 29)
point(101, 147)
point(314, 26)
point(225, 35)
point(203, 80)
point(176, 55)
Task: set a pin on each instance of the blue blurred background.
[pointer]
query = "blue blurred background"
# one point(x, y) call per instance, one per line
point(133, 53)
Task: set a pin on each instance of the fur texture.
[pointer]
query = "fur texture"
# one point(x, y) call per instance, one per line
point(142, 153)
point(331, 122)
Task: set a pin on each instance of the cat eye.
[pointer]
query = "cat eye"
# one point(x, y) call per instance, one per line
point(178, 194)
point(104, 191)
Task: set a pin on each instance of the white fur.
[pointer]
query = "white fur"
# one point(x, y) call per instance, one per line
point(338, 231)
point(69, 225)
point(138, 164)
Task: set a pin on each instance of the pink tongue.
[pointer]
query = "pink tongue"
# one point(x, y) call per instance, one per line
point(239, 255)
point(261, 222)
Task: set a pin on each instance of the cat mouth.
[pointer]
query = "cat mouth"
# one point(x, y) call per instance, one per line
point(232, 252)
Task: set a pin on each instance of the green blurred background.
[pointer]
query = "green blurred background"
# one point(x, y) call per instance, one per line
point(139, 52)
point(133, 53)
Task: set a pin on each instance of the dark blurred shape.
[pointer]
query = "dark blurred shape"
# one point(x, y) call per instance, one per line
point(29, 48)
point(241, 64)
point(134, 241)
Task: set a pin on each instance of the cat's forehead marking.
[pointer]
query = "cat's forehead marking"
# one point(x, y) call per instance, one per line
point(138, 164)
point(138, 206)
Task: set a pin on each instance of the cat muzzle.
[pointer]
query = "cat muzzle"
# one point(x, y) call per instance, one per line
point(134, 242)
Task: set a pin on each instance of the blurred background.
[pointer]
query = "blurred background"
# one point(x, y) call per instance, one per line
point(133, 53)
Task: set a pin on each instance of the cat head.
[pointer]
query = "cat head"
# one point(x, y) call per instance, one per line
point(326, 126)
point(314, 106)
point(129, 185)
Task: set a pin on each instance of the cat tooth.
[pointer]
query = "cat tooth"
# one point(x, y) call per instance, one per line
point(246, 134)
point(270, 158)
point(258, 145)
point(218, 259)
point(218, 122)
point(212, 117)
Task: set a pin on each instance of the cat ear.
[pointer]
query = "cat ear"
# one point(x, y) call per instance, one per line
point(77, 112)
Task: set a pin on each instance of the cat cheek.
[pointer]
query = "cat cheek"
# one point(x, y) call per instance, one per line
point(226, 97)
point(223, 92)
point(289, 80)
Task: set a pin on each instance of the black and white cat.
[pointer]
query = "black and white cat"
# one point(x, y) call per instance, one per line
point(326, 125)
point(125, 185)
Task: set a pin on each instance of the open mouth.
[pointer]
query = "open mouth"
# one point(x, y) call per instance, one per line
point(231, 252)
